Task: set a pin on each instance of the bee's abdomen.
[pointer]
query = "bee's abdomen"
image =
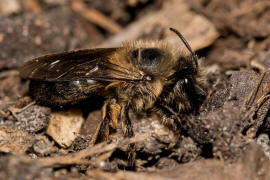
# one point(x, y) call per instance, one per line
point(62, 93)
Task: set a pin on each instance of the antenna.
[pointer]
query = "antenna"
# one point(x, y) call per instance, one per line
point(194, 56)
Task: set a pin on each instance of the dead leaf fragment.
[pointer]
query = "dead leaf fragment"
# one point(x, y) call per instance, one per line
point(64, 126)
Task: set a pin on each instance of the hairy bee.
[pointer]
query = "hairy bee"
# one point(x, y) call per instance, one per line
point(141, 76)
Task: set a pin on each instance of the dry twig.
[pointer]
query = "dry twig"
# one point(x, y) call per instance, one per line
point(34, 6)
point(95, 17)
point(14, 110)
point(79, 157)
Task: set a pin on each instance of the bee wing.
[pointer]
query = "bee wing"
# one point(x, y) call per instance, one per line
point(75, 65)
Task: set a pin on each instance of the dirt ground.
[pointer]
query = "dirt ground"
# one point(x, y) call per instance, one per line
point(227, 139)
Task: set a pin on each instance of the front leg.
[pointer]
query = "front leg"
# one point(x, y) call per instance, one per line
point(171, 120)
point(127, 129)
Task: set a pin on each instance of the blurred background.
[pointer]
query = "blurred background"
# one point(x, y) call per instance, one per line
point(33, 27)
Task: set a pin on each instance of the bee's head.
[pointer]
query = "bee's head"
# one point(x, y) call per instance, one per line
point(187, 65)
point(159, 59)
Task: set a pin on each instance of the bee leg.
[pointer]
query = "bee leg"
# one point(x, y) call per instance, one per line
point(110, 115)
point(172, 121)
point(128, 132)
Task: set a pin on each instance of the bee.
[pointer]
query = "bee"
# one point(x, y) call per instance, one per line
point(140, 77)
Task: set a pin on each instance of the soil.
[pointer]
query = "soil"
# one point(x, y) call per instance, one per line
point(227, 139)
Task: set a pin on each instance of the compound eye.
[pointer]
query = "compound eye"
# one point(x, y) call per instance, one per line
point(151, 56)
point(135, 54)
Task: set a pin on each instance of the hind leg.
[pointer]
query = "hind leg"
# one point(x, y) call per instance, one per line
point(110, 115)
